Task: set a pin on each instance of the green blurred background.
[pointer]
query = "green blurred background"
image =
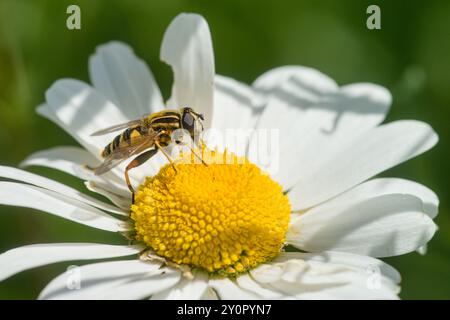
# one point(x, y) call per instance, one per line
point(410, 56)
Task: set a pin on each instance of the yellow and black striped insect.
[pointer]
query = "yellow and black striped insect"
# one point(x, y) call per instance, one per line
point(150, 133)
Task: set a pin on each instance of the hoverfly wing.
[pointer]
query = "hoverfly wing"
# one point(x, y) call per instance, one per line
point(121, 154)
point(117, 127)
point(118, 156)
point(108, 164)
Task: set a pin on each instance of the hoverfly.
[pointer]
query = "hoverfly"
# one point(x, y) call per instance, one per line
point(150, 133)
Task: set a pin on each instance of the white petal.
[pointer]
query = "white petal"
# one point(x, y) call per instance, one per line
point(69, 159)
point(383, 226)
point(367, 155)
point(23, 195)
point(383, 186)
point(306, 277)
point(73, 160)
point(125, 79)
point(209, 294)
point(228, 289)
point(186, 289)
point(45, 111)
point(36, 255)
point(236, 104)
point(422, 250)
point(129, 279)
point(246, 282)
point(351, 260)
point(144, 286)
point(28, 177)
point(81, 111)
point(315, 117)
point(348, 286)
point(309, 82)
point(187, 48)
point(235, 111)
point(121, 201)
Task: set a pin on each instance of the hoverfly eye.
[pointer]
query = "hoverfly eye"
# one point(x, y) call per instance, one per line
point(188, 122)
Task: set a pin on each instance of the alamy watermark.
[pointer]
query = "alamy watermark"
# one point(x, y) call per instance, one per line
point(373, 22)
point(73, 21)
point(259, 146)
point(373, 281)
point(73, 280)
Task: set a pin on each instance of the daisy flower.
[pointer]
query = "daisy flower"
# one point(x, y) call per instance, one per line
point(221, 231)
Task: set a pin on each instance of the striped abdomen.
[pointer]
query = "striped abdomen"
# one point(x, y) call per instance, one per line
point(167, 121)
point(124, 139)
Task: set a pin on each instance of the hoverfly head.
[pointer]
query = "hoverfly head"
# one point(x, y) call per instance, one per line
point(191, 121)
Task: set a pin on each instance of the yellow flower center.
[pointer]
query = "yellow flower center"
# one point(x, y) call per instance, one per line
point(223, 218)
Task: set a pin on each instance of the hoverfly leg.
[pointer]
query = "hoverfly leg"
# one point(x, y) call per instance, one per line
point(136, 162)
point(89, 167)
point(172, 162)
point(197, 156)
point(181, 143)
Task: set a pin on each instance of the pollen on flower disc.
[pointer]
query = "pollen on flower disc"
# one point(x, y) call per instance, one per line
point(223, 218)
